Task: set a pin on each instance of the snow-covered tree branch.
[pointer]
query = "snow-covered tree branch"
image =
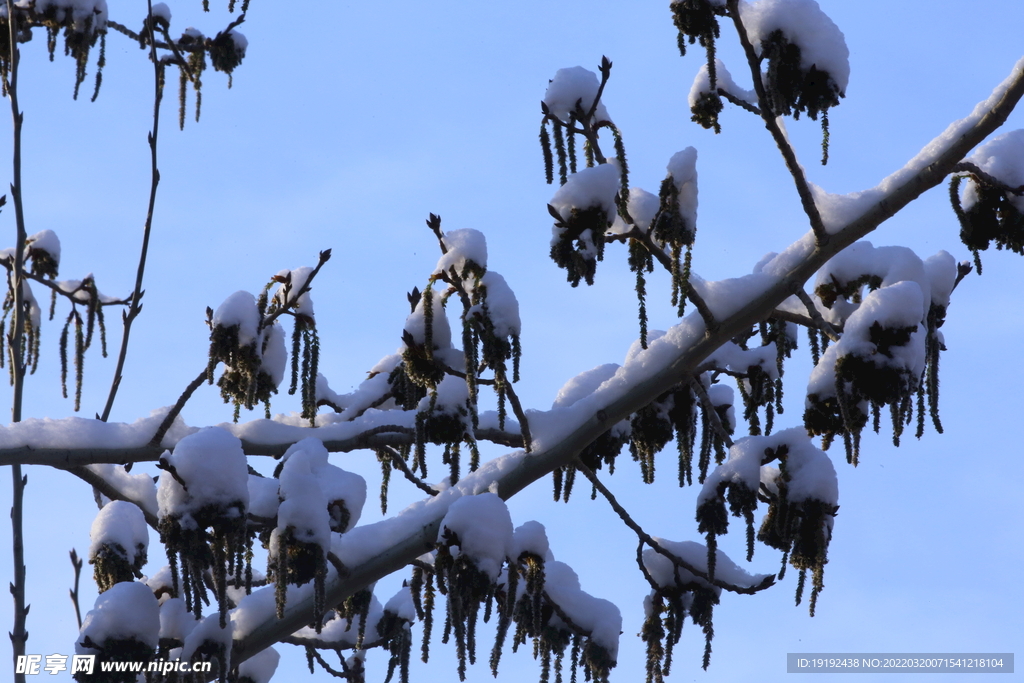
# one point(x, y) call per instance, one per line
point(289, 490)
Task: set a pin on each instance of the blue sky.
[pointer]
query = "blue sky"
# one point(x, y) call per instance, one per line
point(349, 122)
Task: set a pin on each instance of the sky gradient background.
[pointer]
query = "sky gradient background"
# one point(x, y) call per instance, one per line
point(349, 122)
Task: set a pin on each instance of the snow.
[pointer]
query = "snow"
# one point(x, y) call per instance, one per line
point(343, 633)
point(726, 297)
point(296, 279)
point(127, 610)
point(367, 541)
point(941, 271)
point(464, 246)
point(683, 169)
point(723, 81)
point(838, 211)
point(209, 630)
point(241, 45)
point(898, 305)
point(600, 618)
point(451, 397)
point(45, 240)
point(416, 326)
point(261, 666)
point(310, 455)
point(122, 524)
point(176, 622)
point(642, 207)
point(590, 187)
point(572, 85)
point(742, 467)
point(723, 395)
point(663, 571)
point(730, 356)
point(812, 475)
point(239, 309)
point(1003, 158)
point(78, 432)
point(303, 507)
point(77, 10)
point(501, 305)
point(274, 353)
point(214, 467)
point(162, 11)
point(402, 605)
point(287, 429)
point(583, 384)
point(890, 264)
point(484, 528)
point(140, 488)
point(263, 496)
point(530, 537)
point(803, 23)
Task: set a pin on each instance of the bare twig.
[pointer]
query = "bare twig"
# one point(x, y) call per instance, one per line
point(136, 299)
point(646, 538)
point(739, 102)
point(821, 236)
point(709, 410)
point(77, 563)
point(288, 299)
point(19, 634)
point(338, 565)
point(702, 307)
point(815, 314)
point(161, 431)
point(70, 295)
point(112, 492)
point(972, 169)
point(645, 238)
point(398, 461)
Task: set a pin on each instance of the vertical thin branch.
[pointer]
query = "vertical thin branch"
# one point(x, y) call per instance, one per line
point(803, 189)
point(136, 305)
point(77, 563)
point(18, 634)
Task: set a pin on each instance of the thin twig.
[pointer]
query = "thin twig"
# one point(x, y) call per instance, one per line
point(154, 174)
point(821, 235)
point(645, 238)
point(739, 101)
point(327, 667)
point(398, 461)
point(517, 410)
point(77, 563)
point(646, 538)
point(55, 285)
point(968, 167)
point(161, 431)
point(815, 314)
point(288, 300)
point(702, 307)
point(112, 492)
point(709, 410)
point(338, 565)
